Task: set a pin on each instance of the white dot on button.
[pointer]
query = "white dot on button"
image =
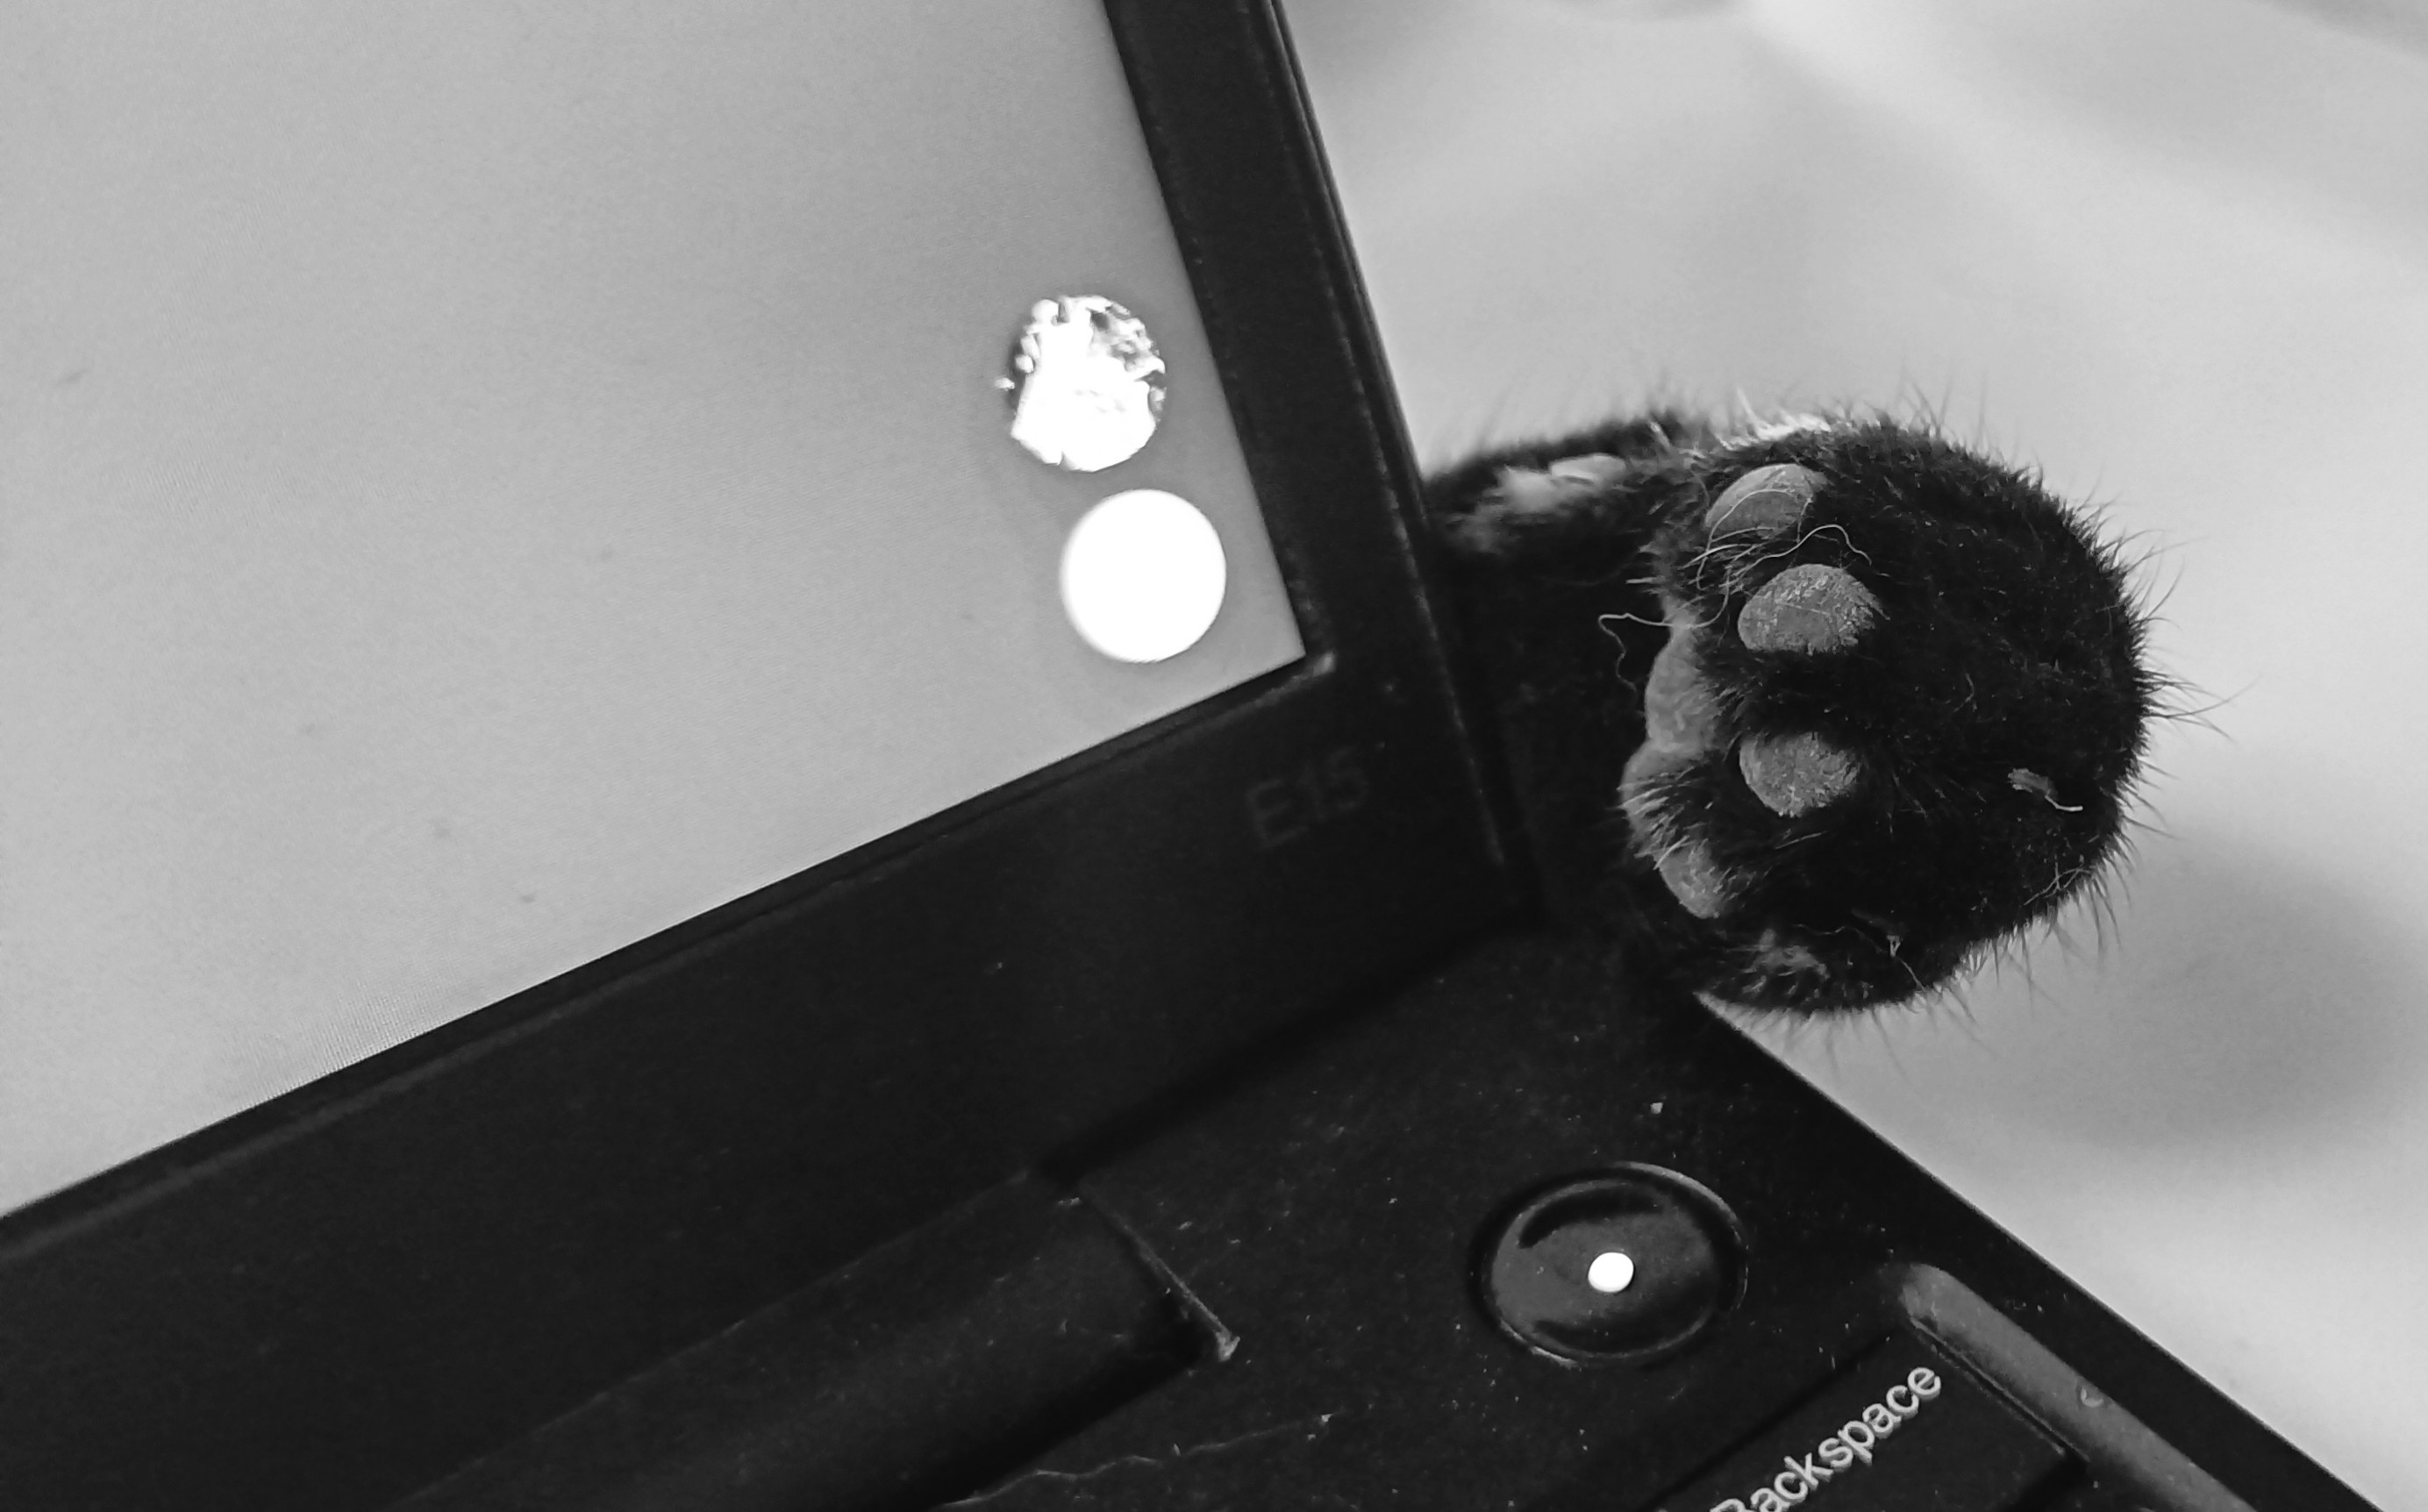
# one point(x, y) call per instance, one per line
point(1142, 575)
point(1610, 1272)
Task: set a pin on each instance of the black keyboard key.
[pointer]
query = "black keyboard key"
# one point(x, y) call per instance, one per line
point(1904, 1429)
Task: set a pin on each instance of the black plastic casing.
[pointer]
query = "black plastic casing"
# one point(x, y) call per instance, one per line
point(341, 1295)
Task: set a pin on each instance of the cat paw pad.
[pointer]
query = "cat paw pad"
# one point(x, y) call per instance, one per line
point(1794, 774)
point(1765, 501)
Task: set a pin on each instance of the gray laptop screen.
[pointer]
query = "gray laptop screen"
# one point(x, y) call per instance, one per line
point(485, 483)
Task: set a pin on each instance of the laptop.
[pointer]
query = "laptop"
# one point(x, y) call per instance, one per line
point(739, 779)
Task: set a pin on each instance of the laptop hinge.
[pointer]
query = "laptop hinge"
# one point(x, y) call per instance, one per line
point(920, 1371)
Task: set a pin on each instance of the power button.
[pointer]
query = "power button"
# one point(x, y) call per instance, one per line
point(1620, 1264)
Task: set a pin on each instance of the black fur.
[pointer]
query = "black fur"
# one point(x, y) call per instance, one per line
point(1995, 708)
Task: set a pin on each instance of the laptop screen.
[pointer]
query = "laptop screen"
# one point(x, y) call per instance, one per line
point(486, 484)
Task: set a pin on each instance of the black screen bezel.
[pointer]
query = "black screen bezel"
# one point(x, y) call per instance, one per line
point(336, 1296)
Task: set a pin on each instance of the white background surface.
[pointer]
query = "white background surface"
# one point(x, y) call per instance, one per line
point(2176, 253)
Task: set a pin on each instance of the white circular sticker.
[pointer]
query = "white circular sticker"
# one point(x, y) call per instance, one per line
point(1142, 575)
point(1085, 381)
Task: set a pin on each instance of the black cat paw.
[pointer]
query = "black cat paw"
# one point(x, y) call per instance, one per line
point(1896, 711)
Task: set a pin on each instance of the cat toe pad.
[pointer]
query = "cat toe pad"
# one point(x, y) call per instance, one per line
point(1768, 500)
point(1795, 774)
point(1809, 608)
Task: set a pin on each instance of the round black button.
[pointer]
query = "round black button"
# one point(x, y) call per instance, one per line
point(1626, 1263)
